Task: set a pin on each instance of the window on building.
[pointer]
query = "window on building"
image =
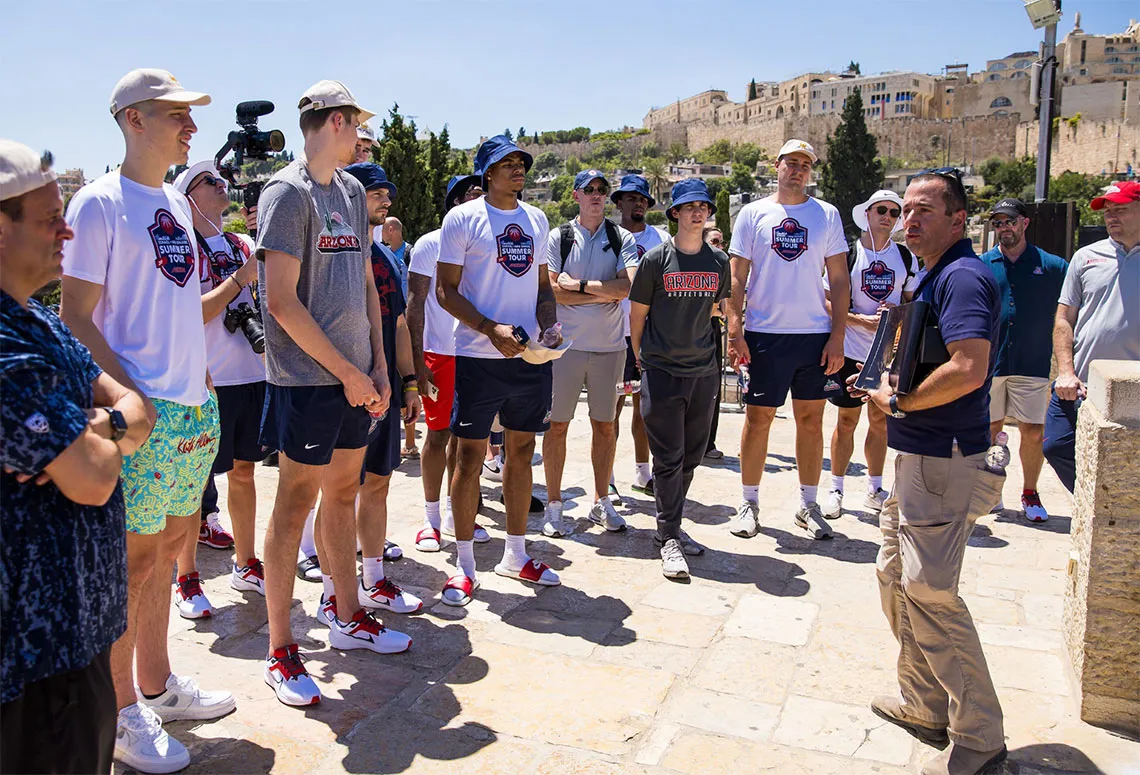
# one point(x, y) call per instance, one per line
point(1084, 71)
point(998, 66)
point(1113, 60)
point(1119, 70)
point(1084, 46)
point(1019, 74)
point(1110, 49)
point(1001, 102)
point(994, 77)
point(1021, 64)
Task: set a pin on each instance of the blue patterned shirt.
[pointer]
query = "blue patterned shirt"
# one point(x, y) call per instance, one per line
point(63, 566)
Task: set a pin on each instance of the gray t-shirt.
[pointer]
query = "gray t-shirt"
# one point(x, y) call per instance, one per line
point(600, 327)
point(1103, 283)
point(323, 227)
point(680, 290)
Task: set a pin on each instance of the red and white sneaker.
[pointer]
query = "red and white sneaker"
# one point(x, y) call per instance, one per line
point(533, 571)
point(212, 534)
point(365, 631)
point(249, 577)
point(326, 610)
point(190, 599)
point(1031, 505)
point(389, 597)
point(286, 673)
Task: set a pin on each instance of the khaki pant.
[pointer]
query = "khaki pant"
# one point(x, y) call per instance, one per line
point(926, 522)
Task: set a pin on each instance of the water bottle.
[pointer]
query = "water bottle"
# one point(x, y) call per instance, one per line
point(997, 456)
point(744, 378)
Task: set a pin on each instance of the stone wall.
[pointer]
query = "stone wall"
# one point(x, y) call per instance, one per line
point(664, 136)
point(1102, 598)
point(1091, 147)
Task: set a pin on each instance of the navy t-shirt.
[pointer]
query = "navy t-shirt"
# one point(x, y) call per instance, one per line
point(392, 305)
point(1029, 289)
point(964, 297)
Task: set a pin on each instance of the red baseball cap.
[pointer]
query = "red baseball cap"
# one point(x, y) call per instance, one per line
point(1122, 192)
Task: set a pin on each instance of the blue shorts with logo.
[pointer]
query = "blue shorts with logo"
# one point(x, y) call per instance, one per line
point(519, 392)
point(782, 362)
point(383, 455)
point(306, 423)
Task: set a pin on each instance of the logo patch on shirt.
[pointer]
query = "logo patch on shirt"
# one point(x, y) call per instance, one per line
point(174, 253)
point(789, 239)
point(516, 250)
point(37, 423)
point(692, 283)
point(640, 251)
point(1038, 270)
point(878, 281)
point(337, 236)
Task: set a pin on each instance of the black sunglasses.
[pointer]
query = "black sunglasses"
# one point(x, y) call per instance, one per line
point(591, 190)
point(209, 180)
point(952, 174)
point(884, 210)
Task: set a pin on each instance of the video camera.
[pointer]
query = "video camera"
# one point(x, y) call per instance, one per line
point(252, 142)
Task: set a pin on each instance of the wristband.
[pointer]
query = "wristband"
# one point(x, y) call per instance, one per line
point(408, 378)
point(581, 286)
point(411, 388)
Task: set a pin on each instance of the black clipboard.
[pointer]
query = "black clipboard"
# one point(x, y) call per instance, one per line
point(908, 347)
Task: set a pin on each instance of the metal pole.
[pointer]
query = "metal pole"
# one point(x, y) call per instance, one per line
point(1045, 113)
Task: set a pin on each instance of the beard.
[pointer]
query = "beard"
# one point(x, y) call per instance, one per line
point(1008, 240)
point(637, 217)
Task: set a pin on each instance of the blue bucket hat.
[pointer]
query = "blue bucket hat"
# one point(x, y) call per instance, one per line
point(457, 187)
point(583, 178)
point(371, 175)
point(690, 190)
point(494, 151)
point(635, 184)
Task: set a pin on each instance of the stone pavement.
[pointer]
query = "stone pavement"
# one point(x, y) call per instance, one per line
point(765, 662)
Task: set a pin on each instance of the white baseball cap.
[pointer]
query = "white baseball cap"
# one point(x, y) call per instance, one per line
point(22, 169)
point(151, 84)
point(331, 94)
point(364, 132)
point(186, 177)
point(859, 211)
point(797, 146)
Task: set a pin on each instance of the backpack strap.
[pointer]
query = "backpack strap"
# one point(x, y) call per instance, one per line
point(237, 243)
point(908, 259)
point(565, 241)
point(613, 236)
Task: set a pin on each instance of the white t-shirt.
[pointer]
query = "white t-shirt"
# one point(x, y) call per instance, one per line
point(439, 326)
point(232, 361)
point(646, 239)
point(787, 245)
point(876, 278)
point(502, 253)
point(138, 243)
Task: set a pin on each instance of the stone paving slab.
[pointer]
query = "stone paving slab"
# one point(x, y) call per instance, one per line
point(763, 663)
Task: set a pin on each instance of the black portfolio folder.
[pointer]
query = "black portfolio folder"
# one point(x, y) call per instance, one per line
point(907, 346)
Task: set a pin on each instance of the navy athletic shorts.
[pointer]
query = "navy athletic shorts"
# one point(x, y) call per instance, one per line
point(782, 362)
point(519, 392)
point(845, 400)
point(306, 423)
point(383, 455)
point(239, 412)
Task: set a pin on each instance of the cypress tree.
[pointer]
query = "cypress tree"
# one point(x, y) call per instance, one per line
point(852, 172)
point(400, 156)
point(722, 217)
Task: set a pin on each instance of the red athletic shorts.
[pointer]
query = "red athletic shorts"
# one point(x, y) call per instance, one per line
point(438, 412)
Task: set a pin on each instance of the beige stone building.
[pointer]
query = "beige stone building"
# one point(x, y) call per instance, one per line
point(700, 107)
point(1084, 58)
point(885, 95)
point(70, 182)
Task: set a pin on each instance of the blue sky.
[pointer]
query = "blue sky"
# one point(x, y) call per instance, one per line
point(478, 66)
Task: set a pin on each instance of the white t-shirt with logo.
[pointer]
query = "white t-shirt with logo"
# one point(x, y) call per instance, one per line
point(502, 253)
point(876, 279)
point(231, 359)
point(138, 243)
point(439, 325)
point(646, 239)
point(787, 245)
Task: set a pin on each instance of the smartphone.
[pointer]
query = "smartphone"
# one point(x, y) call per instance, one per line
point(433, 392)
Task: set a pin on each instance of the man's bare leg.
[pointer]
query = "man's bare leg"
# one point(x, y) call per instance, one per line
point(142, 552)
point(152, 657)
point(336, 522)
point(297, 488)
point(603, 447)
point(809, 440)
point(1031, 452)
point(241, 500)
point(754, 443)
point(554, 461)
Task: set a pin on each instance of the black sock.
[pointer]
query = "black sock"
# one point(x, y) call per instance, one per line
point(153, 696)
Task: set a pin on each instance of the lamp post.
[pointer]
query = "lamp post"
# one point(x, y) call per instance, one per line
point(1045, 13)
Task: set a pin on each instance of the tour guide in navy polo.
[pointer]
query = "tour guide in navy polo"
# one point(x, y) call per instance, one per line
point(1029, 281)
point(941, 486)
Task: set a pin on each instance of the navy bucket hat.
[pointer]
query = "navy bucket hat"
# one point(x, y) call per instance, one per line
point(371, 175)
point(457, 187)
point(634, 184)
point(494, 151)
point(690, 190)
point(583, 178)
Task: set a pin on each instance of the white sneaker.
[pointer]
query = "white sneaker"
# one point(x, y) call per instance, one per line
point(363, 631)
point(875, 501)
point(190, 599)
point(249, 578)
point(999, 508)
point(746, 523)
point(642, 483)
point(493, 469)
point(289, 677)
point(141, 743)
point(184, 700)
point(810, 518)
point(389, 597)
point(673, 564)
point(603, 514)
point(833, 506)
point(552, 524)
point(326, 610)
point(1031, 505)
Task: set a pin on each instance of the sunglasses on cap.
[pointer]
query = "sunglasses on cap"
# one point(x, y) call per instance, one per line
point(952, 174)
point(894, 212)
point(209, 180)
point(595, 189)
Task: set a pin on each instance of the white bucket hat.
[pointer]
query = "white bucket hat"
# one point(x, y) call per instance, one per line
point(859, 211)
point(539, 353)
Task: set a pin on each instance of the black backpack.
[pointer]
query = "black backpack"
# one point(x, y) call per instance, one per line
point(566, 238)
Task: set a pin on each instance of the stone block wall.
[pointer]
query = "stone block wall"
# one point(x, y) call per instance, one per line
point(1090, 147)
point(1102, 598)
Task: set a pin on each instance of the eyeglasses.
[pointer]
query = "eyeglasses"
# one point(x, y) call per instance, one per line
point(1003, 223)
point(209, 180)
point(591, 190)
point(894, 212)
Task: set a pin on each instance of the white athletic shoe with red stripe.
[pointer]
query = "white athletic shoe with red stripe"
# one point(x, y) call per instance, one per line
point(365, 631)
point(190, 599)
point(249, 577)
point(389, 597)
point(286, 673)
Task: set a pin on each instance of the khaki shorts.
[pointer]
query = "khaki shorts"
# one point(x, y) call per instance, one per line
point(1025, 399)
point(598, 372)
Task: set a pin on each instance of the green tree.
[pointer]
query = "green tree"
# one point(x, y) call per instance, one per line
point(651, 150)
point(853, 67)
point(560, 185)
point(407, 166)
point(752, 90)
point(547, 161)
point(1075, 187)
point(653, 169)
point(677, 151)
point(572, 166)
point(522, 134)
point(852, 172)
point(742, 179)
point(508, 135)
point(439, 161)
point(716, 185)
point(747, 154)
point(655, 218)
point(723, 219)
point(605, 152)
point(720, 152)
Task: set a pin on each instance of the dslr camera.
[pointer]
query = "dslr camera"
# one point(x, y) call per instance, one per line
point(251, 142)
point(243, 316)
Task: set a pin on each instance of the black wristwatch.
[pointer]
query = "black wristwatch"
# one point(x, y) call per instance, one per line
point(118, 423)
point(893, 403)
point(581, 286)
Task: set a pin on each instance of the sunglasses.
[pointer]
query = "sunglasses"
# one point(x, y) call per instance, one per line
point(1003, 223)
point(952, 174)
point(716, 242)
point(894, 212)
point(209, 180)
point(591, 190)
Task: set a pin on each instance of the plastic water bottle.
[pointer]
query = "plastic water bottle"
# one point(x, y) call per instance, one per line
point(997, 456)
point(744, 378)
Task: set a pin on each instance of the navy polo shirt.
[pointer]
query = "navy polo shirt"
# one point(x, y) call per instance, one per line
point(1029, 289)
point(964, 297)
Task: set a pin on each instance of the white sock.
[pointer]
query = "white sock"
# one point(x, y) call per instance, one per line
point(327, 582)
point(431, 515)
point(644, 471)
point(373, 571)
point(308, 542)
point(837, 483)
point(465, 558)
point(751, 492)
point(514, 552)
point(807, 494)
point(874, 484)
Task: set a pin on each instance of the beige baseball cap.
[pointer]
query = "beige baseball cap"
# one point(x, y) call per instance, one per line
point(152, 84)
point(22, 169)
point(798, 146)
point(331, 94)
point(364, 132)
